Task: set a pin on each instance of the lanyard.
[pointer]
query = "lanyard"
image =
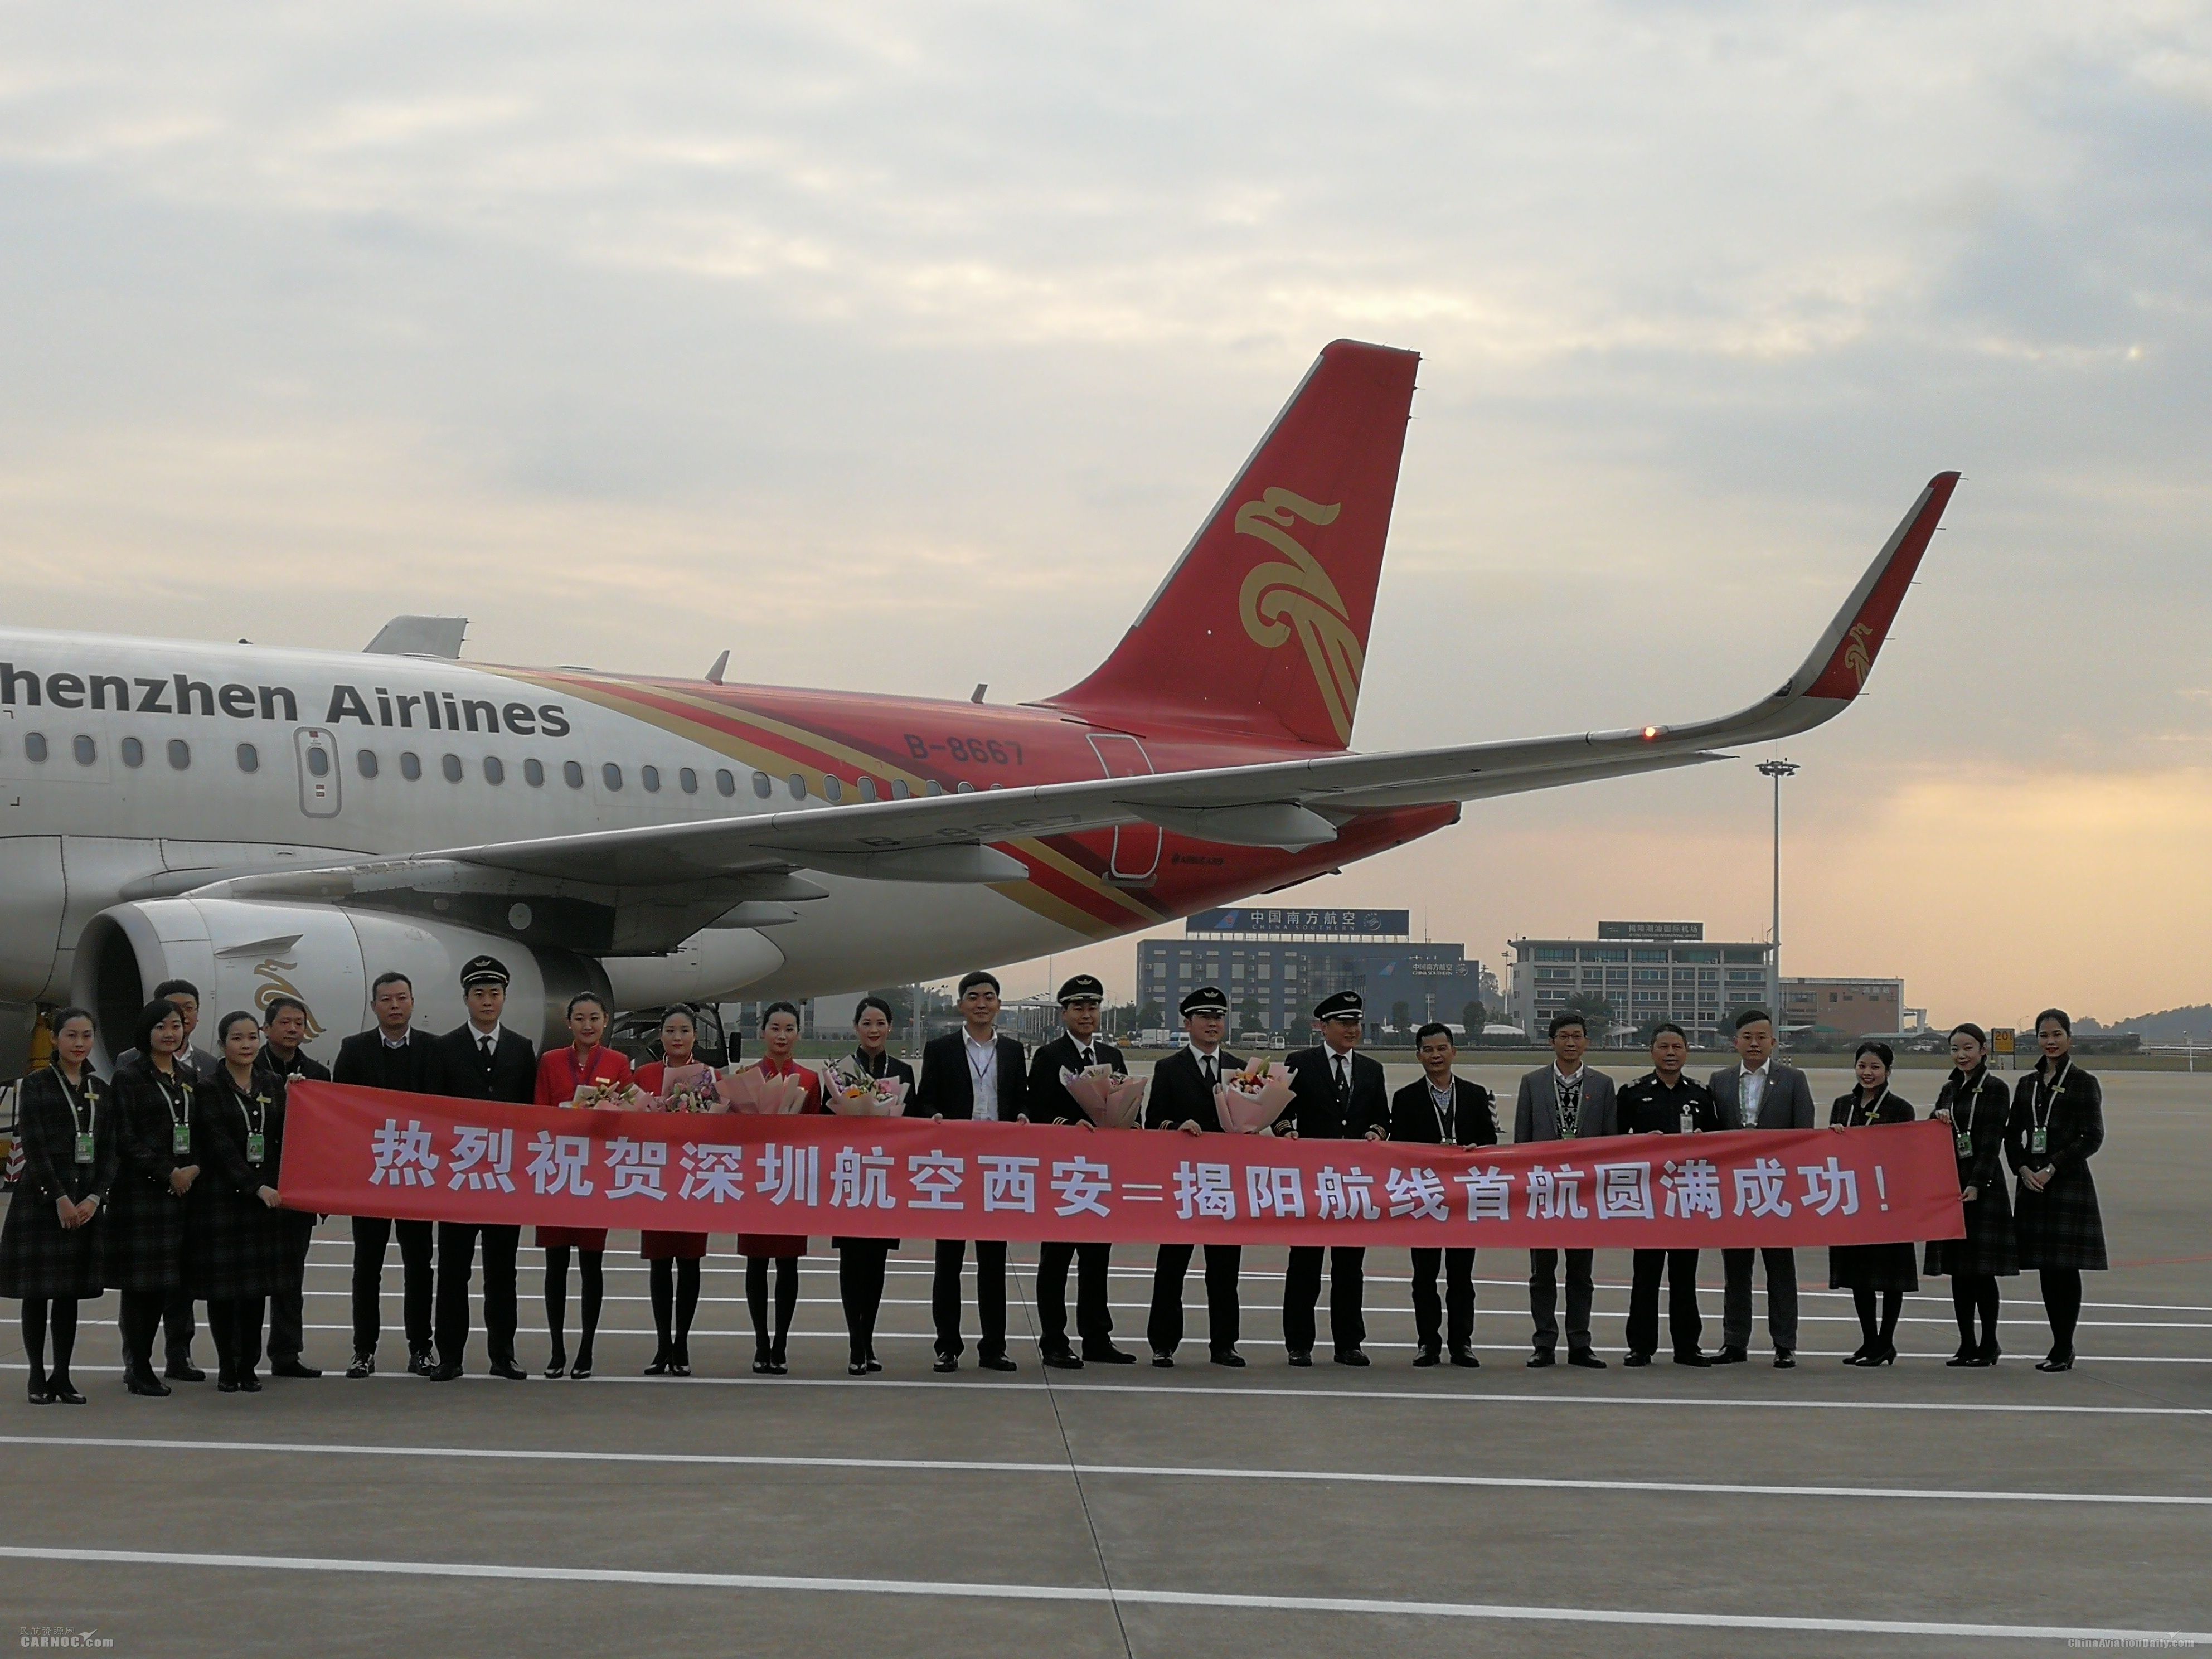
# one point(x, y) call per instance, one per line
point(82, 1126)
point(989, 1068)
point(1446, 1101)
point(1869, 1107)
point(2048, 1096)
point(179, 1104)
point(254, 1125)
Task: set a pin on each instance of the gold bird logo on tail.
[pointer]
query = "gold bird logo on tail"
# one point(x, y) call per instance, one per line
point(1295, 594)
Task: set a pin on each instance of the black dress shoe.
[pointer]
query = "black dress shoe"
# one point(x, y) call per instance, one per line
point(420, 1363)
point(249, 1383)
point(364, 1365)
point(1785, 1359)
point(946, 1364)
point(183, 1371)
point(1692, 1358)
point(508, 1371)
point(1730, 1355)
point(1636, 1361)
point(581, 1372)
point(1063, 1359)
point(225, 1385)
point(1107, 1356)
point(1426, 1358)
point(148, 1384)
point(1300, 1358)
point(62, 1392)
point(876, 1364)
point(1586, 1359)
point(1540, 1358)
point(291, 1368)
point(40, 1394)
point(1235, 1360)
point(556, 1367)
point(659, 1366)
point(451, 1373)
point(1465, 1359)
point(858, 1368)
point(1164, 1362)
point(1351, 1357)
point(997, 1362)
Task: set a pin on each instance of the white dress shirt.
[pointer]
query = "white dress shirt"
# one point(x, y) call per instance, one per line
point(983, 1072)
point(1208, 1057)
point(479, 1036)
point(1750, 1089)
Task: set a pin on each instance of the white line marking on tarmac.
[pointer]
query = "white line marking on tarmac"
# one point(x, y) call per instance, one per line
point(987, 1387)
point(1134, 1471)
point(956, 1589)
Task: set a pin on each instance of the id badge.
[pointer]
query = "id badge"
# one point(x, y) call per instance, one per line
point(2038, 1140)
point(180, 1140)
point(84, 1147)
point(256, 1147)
point(1966, 1145)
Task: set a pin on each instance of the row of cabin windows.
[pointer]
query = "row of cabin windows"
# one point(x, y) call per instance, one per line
point(36, 749)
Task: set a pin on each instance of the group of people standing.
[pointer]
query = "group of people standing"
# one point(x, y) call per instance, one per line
point(164, 1185)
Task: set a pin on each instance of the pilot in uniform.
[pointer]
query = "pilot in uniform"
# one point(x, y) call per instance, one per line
point(1182, 1098)
point(1077, 1048)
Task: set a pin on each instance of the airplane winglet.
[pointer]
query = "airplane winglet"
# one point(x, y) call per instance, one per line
point(1838, 669)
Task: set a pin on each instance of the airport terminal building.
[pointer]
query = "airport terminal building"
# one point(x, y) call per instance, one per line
point(1643, 970)
point(1276, 961)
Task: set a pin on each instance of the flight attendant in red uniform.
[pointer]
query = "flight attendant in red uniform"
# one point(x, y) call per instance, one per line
point(561, 1072)
point(779, 1036)
point(675, 1257)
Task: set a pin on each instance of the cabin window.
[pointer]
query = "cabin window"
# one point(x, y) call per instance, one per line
point(134, 753)
point(726, 781)
point(899, 791)
point(611, 776)
point(868, 789)
point(495, 769)
point(318, 763)
point(451, 766)
point(249, 758)
point(85, 750)
point(797, 786)
point(411, 765)
point(761, 784)
point(35, 746)
point(650, 777)
point(833, 786)
point(572, 774)
point(689, 780)
point(180, 755)
point(533, 773)
point(364, 762)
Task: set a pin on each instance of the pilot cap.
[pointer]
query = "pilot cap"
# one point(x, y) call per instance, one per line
point(1205, 1000)
point(1339, 1005)
point(483, 970)
point(1084, 988)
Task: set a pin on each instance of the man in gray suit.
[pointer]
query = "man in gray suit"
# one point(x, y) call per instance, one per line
point(1563, 1100)
point(1760, 1093)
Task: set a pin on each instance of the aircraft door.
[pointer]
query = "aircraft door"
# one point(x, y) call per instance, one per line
point(318, 753)
point(1136, 846)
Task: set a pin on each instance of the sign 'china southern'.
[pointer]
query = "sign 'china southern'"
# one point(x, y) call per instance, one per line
point(1286, 918)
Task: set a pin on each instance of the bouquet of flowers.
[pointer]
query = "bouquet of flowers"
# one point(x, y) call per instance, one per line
point(1110, 1099)
point(851, 1092)
point(749, 1088)
point(610, 1097)
point(689, 1089)
point(1250, 1102)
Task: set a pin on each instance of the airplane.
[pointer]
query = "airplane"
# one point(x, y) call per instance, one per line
point(265, 821)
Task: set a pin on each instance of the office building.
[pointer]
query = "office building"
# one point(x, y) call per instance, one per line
point(1642, 971)
point(1844, 1007)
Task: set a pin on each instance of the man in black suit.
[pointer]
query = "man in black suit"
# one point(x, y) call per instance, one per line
point(973, 1074)
point(1442, 1108)
point(1336, 1094)
point(1182, 1098)
point(1759, 1092)
point(1078, 1047)
point(285, 1028)
point(392, 1056)
point(480, 1060)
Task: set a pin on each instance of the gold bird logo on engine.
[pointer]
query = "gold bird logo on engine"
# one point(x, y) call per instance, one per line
point(1296, 594)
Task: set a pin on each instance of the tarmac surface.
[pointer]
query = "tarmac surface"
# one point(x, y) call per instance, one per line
point(1131, 1511)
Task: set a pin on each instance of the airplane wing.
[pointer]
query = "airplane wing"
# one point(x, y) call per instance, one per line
point(1293, 804)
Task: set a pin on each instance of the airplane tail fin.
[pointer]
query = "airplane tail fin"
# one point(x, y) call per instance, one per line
point(1260, 632)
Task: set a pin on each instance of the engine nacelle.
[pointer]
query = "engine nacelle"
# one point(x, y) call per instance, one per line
point(241, 954)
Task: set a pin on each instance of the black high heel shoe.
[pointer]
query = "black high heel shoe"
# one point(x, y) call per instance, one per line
point(557, 1366)
point(1880, 1353)
point(760, 1364)
point(2057, 1361)
point(1859, 1356)
point(62, 1392)
point(660, 1365)
point(581, 1371)
point(42, 1394)
point(1968, 1354)
point(1990, 1351)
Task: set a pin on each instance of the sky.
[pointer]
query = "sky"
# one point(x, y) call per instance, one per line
point(899, 348)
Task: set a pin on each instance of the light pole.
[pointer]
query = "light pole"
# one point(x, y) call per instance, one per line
point(1776, 770)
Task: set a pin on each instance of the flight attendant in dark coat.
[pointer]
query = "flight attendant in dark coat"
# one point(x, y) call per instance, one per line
point(50, 1244)
point(1865, 1269)
point(673, 1259)
point(233, 1252)
point(1078, 1047)
point(393, 1054)
point(561, 1072)
point(860, 1260)
point(1975, 1105)
point(480, 1059)
point(1337, 1093)
point(779, 1040)
point(142, 1248)
point(2056, 1125)
point(1182, 1099)
point(283, 1029)
point(1442, 1108)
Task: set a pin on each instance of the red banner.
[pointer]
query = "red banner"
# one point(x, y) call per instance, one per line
point(369, 1151)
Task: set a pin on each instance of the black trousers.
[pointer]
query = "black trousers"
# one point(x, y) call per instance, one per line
point(177, 1327)
point(1163, 1329)
point(139, 1321)
point(1094, 1323)
point(236, 1323)
point(288, 1318)
point(457, 1249)
point(1544, 1299)
point(860, 1288)
point(1684, 1325)
point(990, 1296)
point(370, 1235)
point(1347, 1326)
point(1454, 1313)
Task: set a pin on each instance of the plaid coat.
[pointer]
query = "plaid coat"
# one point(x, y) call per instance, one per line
point(1871, 1267)
point(1978, 1108)
point(232, 1249)
point(143, 1237)
point(2060, 1226)
point(39, 1256)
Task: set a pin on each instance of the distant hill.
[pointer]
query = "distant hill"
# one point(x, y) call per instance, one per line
point(2169, 1025)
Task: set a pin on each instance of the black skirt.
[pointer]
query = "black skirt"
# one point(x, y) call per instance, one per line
point(232, 1249)
point(2061, 1226)
point(1990, 1247)
point(1872, 1268)
point(142, 1241)
point(39, 1257)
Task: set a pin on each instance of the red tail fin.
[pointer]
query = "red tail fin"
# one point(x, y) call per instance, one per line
point(1260, 629)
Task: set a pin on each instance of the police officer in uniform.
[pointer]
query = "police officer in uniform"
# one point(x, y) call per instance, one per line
point(481, 1059)
point(1337, 1094)
point(1665, 1102)
point(1182, 1098)
point(282, 1060)
point(1078, 1047)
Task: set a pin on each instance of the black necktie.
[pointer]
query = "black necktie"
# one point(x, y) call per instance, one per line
point(1085, 1054)
point(485, 1044)
point(1206, 1066)
point(1343, 1080)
